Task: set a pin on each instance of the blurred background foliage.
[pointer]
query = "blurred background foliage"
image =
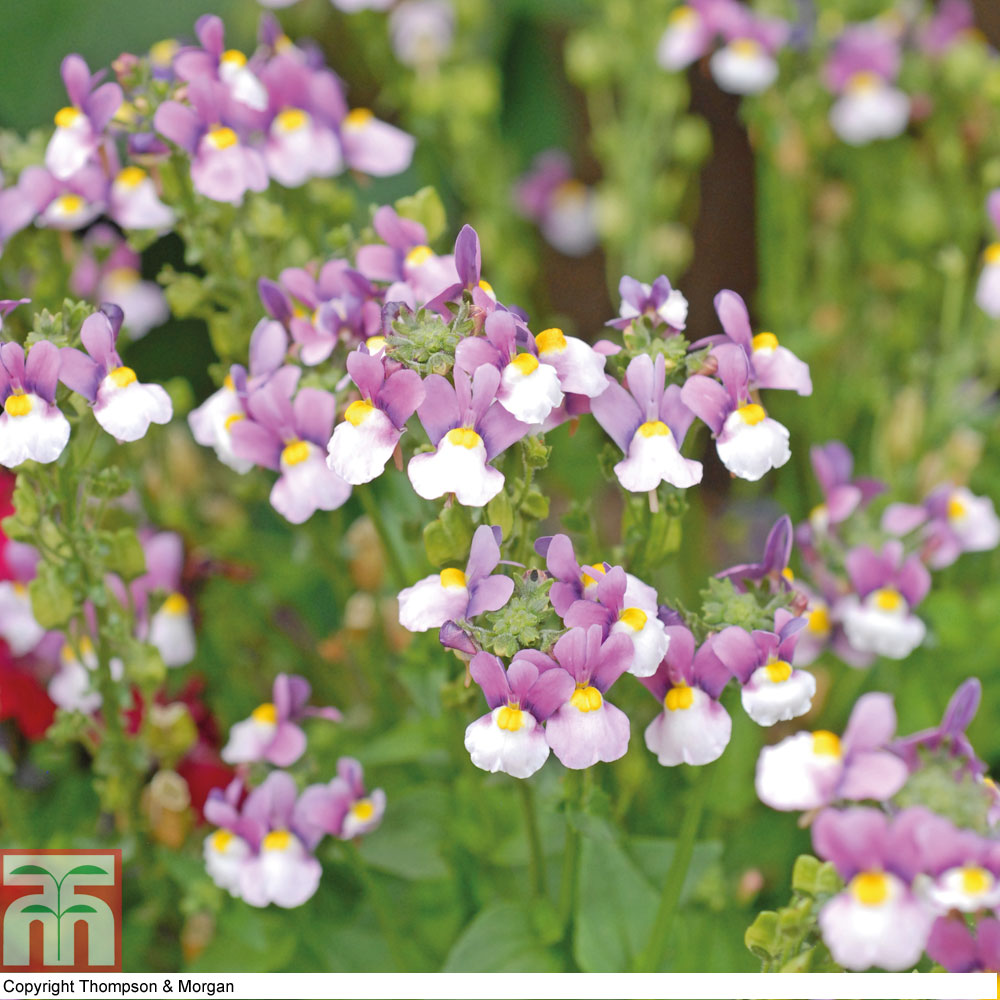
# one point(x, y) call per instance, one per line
point(862, 260)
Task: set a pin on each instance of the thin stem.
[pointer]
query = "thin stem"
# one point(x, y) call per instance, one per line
point(651, 957)
point(536, 855)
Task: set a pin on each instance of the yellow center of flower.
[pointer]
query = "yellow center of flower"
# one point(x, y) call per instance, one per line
point(131, 177)
point(992, 254)
point(463, 437)
point(752, 413)
point(67, 117)
point(679, 697)
point(869, 888)
point(358, 118)
point(654, 428)
point(865, 80)
point(746, 47)
point(826, 744)
point(452, 578)
point(976, 881)
point(363, 809)
point(819, 620)
point(233, 57)
point(222, 137)
point(487, 287)
point(525, 363)
point(20, 589)
point(295, 452)
point(510, 718)
point(358, 411)
point(233, 418)
point(550, 340)
point(221, 839)
point(597, 570)
point(418, 255)
point(765, 342)
point(277, 840)
point(122, 376)
point(375, 344)
point(162, 53)
point(292, 120)
point(956, 507)
point(778, 671)
point(176, 604)
point(682, 15)
point(887, 599)
point(69, 204)
point(586, 698)
point(266, 714)
point(635, 618)
point(17, 405)
point(788, 574)
point(84, 647)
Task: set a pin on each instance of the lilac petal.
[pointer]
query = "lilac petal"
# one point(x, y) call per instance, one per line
point(675, 414)
point(327, 712)
point(866, 570)
point(581, 739)
point(854, 839)
point(736, 648)
point(778, 549)
point(398, 231)
point(276, 303)
point(902, 518)
point(618, 413)
point(734, 370)
point(679, 658)
point(962, 707)
point(521, 674)
point(490, 594)
point(501, 331)
point(485, 383)
point(708, 400)
point(641, 379)
point(571, 652)
point(500, 429)
point(402, 393)
point(350, 771)
point(611, 589)
point(290, 695)
point(115, 316)
point(988, 931)
point(211, 33)
point(631, 291)
point(368, 373)
point(913, 581)
point(549, 693)
point(484, 553)
point(709, 672)
point(97, 338)
point(613, 659)
point(315, 412)
point(451, 636)
point(272, 408)
point(488, 673)
point(474, 352)
point(377, 262)
point(872, 723)
point(256, 443)
point(102, 105)
point(560, 559)
point(76, 77)
point(288, 745)
point(164, 561)
point(874, 775)
point(993, 208)
point(468, 262)
point(272, 802)
point(583, 614)
point(268, 347)
point(842, 501)
point(179, 124)
point(439, 411)
point(79, 372)
point(951, 944)
point(832, 464)
point(735, 319)
point(12, 359)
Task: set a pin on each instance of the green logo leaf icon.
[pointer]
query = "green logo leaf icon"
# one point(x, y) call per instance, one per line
point(80, 908)
point(38, 908)
point(31, 870)
point(86, 870)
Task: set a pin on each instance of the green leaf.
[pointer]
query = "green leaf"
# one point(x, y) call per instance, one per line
point(80, 908)
point(86, 870)
point(52, 601)
point(38, 908)
point(424, 207)
point(125, 555)
point(448, 538)
point(32, 870)
point(409, 846)
point(762, 936)
point(501, 938)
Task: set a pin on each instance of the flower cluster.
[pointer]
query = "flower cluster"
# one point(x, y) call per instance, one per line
point(264, 850)
point(917, 877)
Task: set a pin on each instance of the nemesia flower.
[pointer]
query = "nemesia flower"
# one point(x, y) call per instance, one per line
point(123, 406)
point(833, 466)
point(580, 368)
point(63, 204)
point(510, 737)
point(80, 126)
point(468, 428)
point(693, 727)
point(949, 736)
point(649, 636)
point(748, 441)
point(746, 64)
point(452, 595)
point(374, 147)
point(564, 208)
point(952, 945)
point(588, 728)
point(988, 285)
point(648, 422)
point(949, 23)
point(135, 203)
point(771, 365)
point(688, 36)
point(773, 569)
point(341, 808)
point(529, 389)
point(72, 687)
point(811, 770)
point(290, 438)
point(773, 690)
point(952, 520)
point(372, 426)
point(272, 732)
point(878, 920)
point(31, 426)
point(877, 616)
point(861, 71)
point(421, 31)
point(18, 627)
point(659, 301)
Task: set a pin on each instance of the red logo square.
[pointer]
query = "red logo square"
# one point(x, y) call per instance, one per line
point(60, 911)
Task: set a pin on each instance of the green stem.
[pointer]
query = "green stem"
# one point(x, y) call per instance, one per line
point(537, 856)
point(571, 853)
point(374, 893)
point(651, 957)
point(373, 511)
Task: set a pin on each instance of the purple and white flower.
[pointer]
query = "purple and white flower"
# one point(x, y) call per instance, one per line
point(32, 427)
point(659, 301)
